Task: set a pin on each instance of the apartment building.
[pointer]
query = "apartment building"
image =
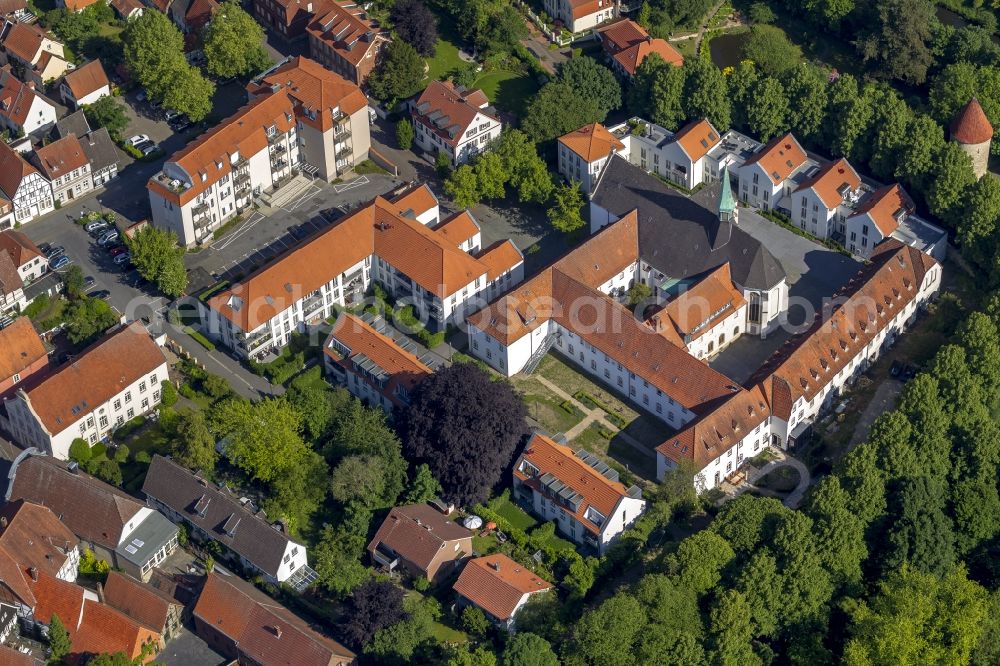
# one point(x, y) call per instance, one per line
point(577, 491)
point(115, 526)
point(681, 157)
point(803, 379)
point(85, 85)
point(110, 382)
point(626, 44)
point(22, 355)
point(766, 177)
point(345, 40)
point(332, 114)
point(217, 176)
point(386, 242)
point(821, 203)
point(101, 151)
point(38, 58)
point(65, 165)
point(23, 110)
point(21, 184)
point(580, 15)
point(584, 152)
point(213, 514)
point(370, 364)
point(288, 19)
point(455, 121)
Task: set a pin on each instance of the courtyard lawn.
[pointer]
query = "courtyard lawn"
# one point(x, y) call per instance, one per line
point(509, 91)
point(515, 515)
point(554, 414)
point(445, 59)
point(566, 377)
point(620, 455)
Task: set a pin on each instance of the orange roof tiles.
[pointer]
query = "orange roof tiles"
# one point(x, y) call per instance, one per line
point(61, 157)
point(697, 310)
point(447, 111)
point(20, 348)
point(359, 338)
point(417, 533)
point(11, 657)
point(13, 169)
point(344, 27)
point(78, 5)
point(317, 90)
point(143, 603)
point(779, 158)
point(24, 40)
point(886, 206)
point(832, 182)
point(562, 462)
point(87, 79)
point(496, 583)
point(243, 132)
point(622, 34)
point(971, 126)
point(631, 58)
point(125, 8)
point(415, 201)
point(697, 139)
point(100, 372)
point(34, 536)
point(458, 228)
point(54, 596)
point(499, 258)
point(592, 142)
point(21, 248)
point(10, 279)
point(105, 630)
point(16, 99)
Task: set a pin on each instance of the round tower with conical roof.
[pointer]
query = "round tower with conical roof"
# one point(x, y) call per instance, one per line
point(973, 133)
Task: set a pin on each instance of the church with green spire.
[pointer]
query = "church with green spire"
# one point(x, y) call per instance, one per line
point(728, 210)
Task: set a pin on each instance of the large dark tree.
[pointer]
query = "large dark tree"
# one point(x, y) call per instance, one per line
point(372, 606)
point(897, 39)
point(416, 25)
point(466, 427)
point(592, 80)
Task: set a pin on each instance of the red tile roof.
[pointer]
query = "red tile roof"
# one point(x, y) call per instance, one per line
point(87, 79)
point(346, 29)
point(497, 584)
point(417, 533)
point(10, 279)
point(697, 138)
point(779, 158)
point(11, 657)
point(832, 182)
point(107, 631)
point(971, 126)
point(629, 44)
point(317, 90)
point(499, 258)
point(24, 40)
point(16, 98)
point(125, 8)
point(78, 5)
point(33, 536)
point(20, 348)
point(143, 603)
point(458, 228)
point(694, 312)
point(448, 111)
point(885, 206)
point(54, 596)
point(200, 13)
point(592, 142)
point(13, 169)
point(21, 248)
point(560, 461)
point(415, 201)
point(61, 157)
point(98, 374)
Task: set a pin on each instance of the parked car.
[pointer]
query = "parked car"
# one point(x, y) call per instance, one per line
point(62, 261)
point(895, 369)
point(170, 114)
point(182, 126)
point(123, 259)
point(102, 294)
point(137, 139)
point(96, 226)
point(45, 247)
point(53, 252)
point(149, 149)
point(117, 250)
point(108, 238)
point(89, 282)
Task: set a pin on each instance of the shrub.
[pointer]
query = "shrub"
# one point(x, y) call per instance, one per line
point(168, 394)
point(121, 454)
point(474, 621)
point(443, 164)
point(143, 457)
point(188, 392)
point(199, 338)
point(79, 450)
point(421, 584)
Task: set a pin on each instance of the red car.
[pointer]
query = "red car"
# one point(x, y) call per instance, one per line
point(118, 249)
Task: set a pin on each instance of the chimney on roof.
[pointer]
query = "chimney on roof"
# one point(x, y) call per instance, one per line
point(33, 572)
point(3, 522)
point(495, 565)
point(73, 467)
point(100, 592)
point(277, 631)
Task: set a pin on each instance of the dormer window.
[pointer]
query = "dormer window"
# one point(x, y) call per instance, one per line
point(595, 516)
point(528, 469)
point(271, 131)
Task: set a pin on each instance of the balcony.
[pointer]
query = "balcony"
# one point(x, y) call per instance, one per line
point(241, 182)
point(255, 342)
point(279, 164)
point(341, 119)
point(278, 150)
point(311, 303)
point(275, 138)
point(342, 132)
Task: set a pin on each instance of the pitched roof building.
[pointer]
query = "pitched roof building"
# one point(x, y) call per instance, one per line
point(454, 120)
point(20, 183)
point(240, 622)
point(213, 513)
point(23, 110)
point(498, 586)
point(85, 84)
point(627, 45)
point(422, 540)
point(973, 132)
point(344, 39)
point(32, 535)
point(22, 353)
point(61, 158)
point(144, 603)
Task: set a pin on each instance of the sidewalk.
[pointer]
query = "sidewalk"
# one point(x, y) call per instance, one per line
point(244, 382)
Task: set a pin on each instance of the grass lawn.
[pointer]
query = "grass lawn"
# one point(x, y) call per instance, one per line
point(517, 516)
point(619, 454)
point(368, 167)
point(566, 377)
point(545, 407)
point(442, 632)
point(509, 91)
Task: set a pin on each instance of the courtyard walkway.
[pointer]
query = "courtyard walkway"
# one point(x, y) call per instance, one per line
point(794, 498)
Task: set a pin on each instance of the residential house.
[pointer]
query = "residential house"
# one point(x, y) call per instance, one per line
point(85, 85)
point(11, 657)
point(12, 297)
point(344, 39)
point(681, 157)
point(144, 603)
point(889, 212)
point(199, 14)
point(577, 491)
point(112, 381)
point(97, 144)
point(30, 263)
point(804, 378)
point(64, 163)
point(34, 55)
point(332, 113)
point(455, 121)
point(6, 214)
point(217, 176)
point(13, 10)
point(584, 152)
point(213, 514)
point(386, 242)
point(127, 9)
point(22, 184)
point(371, 364)
point(32, 535)
point(821, 204)
point(767, 176)
point(581, 15)
point(498, 586)
point(76, 6)
point(421, 540)
point(244, 625)
point(23, 110)
point(22, 354)
point(115, 526)
point(289, 19)
point(626, 44)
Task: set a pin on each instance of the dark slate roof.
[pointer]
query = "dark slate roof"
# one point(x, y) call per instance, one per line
point(680, 236)
point(74, 123)
point(100, 149)
point(182, 490)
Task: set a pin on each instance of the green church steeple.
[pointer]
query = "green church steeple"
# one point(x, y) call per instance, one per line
point(727, 203)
